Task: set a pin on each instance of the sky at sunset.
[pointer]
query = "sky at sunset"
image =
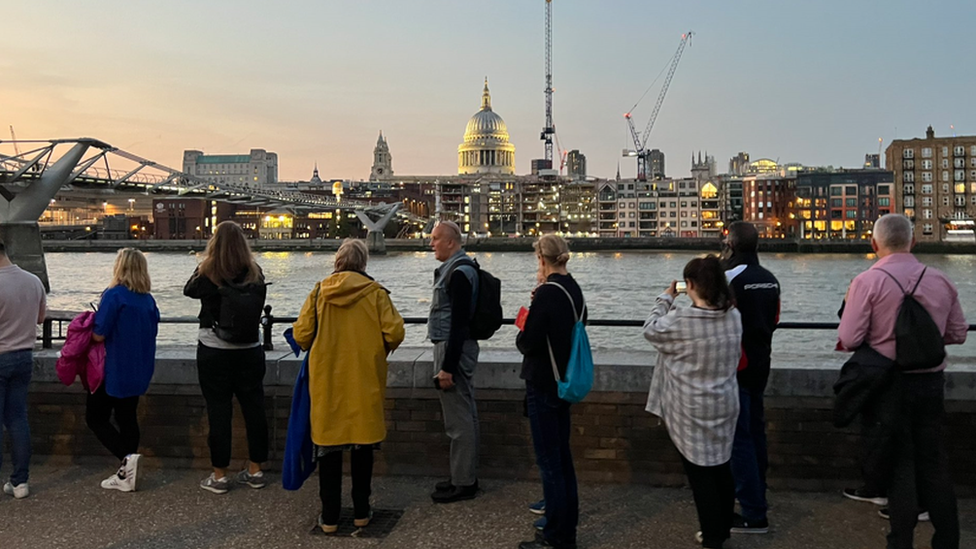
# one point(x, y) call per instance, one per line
point(810, 82)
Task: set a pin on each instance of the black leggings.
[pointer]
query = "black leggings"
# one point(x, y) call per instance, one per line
point(98, 413)
point(714, 492)
point(224, 374)
point(330, 483)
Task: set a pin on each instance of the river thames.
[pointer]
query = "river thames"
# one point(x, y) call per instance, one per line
point(617, 285)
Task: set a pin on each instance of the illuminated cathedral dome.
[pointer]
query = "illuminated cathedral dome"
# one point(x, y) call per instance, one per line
point(486, 148)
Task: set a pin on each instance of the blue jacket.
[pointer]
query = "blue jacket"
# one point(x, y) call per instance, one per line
point(299, 461)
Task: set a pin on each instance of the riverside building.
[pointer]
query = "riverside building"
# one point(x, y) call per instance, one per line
point(258, 168)
point(935, 185)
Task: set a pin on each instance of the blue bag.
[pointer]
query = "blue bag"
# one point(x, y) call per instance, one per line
point(579, 370)
point(299, 461)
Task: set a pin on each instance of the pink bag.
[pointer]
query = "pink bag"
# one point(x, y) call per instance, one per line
point(80, 356)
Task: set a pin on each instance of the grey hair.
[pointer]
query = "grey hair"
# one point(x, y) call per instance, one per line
point(455, 231)
point(894, 232)
point(352, 256)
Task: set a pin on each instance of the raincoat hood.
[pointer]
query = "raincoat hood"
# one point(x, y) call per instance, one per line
point(345, 288)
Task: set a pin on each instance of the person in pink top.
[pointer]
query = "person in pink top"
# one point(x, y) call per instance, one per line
point(921, 471)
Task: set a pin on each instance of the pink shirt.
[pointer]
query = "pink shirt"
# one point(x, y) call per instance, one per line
point(874, 299)
point(21, 308)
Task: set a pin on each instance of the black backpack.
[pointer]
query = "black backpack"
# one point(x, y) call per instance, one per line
point(919, 344)
point(241, 306)
point(487, 316)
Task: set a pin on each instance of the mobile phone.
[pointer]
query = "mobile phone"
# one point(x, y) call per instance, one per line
point(437, 383)
point(681, 287)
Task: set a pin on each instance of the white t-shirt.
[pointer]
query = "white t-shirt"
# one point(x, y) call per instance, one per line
point(22, 303)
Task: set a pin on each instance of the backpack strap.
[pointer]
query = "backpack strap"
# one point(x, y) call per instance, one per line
point(919, 280)
point(573, 303)
point(902, 288)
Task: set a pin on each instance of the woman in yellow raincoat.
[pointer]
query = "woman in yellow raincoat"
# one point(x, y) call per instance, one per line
point(351, 326)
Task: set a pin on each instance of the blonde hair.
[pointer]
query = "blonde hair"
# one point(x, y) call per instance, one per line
point(132, 271)
point(553, 249)
point(352, 256)
point(228, 255)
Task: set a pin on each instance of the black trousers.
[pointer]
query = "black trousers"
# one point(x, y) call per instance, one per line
point(714, 492)
point(123, 440)
point(330, 483)
point(224, 374)
point(921, 467)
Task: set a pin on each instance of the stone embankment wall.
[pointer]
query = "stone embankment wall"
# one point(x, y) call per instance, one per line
point(614, 439)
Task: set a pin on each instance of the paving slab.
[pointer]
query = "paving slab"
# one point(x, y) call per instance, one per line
point(68, 510)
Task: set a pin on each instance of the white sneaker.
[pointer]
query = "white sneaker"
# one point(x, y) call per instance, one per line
point(119, 481)
point(131, 466)
point(20, 491)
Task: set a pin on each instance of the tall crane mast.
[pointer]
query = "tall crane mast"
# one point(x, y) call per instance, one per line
point(548, 129)
point(641, 141)
point(13, 138)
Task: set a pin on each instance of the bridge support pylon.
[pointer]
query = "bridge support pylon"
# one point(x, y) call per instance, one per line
point(19, 212)
point(375, 241)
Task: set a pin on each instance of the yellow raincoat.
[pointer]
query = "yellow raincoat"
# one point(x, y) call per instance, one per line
point(357, 327)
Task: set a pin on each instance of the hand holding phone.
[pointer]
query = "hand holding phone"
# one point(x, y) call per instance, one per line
point(681, 287)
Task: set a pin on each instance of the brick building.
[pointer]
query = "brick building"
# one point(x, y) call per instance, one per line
point(842, 204)
point(768, 203)
point(935, 185)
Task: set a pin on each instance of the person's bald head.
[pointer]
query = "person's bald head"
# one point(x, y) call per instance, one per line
point(893, 233)
point(445, 240)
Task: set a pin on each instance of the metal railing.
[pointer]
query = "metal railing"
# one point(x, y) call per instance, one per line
point(268, 322)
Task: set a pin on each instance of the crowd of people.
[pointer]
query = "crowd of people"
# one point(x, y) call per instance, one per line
point(707, 385)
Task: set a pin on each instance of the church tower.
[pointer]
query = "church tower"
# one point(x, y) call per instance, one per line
point(382, 160)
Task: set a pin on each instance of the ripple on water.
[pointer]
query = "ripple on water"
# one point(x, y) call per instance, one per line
point(617, 285)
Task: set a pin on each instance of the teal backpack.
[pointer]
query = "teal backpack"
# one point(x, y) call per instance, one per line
point(579, 371)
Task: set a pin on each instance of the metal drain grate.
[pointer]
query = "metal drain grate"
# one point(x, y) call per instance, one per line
point(380, 526)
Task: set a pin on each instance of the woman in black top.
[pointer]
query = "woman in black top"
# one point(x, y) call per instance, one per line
point(546, 341)
point(230, 357)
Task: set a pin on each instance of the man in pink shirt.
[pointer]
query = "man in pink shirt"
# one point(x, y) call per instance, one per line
point(21, 310)
point(921, 471)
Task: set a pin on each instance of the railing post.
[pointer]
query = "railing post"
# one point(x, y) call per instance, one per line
point(47, 334)
point(267, 323)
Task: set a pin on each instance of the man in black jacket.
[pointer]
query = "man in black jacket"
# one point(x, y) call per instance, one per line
point(757, 297)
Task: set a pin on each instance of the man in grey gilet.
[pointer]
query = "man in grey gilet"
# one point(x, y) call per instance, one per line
point(455, 358)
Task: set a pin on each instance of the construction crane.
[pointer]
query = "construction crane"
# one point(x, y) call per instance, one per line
point(13, 137)
point(549, 129)
point(641, 141)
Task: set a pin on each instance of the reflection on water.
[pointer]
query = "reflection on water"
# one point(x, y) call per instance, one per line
point(617, 285)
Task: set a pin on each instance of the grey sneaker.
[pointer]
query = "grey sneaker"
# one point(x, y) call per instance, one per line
point(215, 485)
point(20, 491)
point(254, 481)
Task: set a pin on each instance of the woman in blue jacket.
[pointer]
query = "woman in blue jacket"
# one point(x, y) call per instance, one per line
point(127, 321)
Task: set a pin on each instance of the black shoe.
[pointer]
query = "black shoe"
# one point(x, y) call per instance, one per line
point(534, 544)
point(446, 486)
point(860, 494)
point(886, 514)
point(456, 493)
point(539, 543)
point(740, 525)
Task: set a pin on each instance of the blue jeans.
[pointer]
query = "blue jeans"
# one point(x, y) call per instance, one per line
point(749, 456)
point(549, 420)
point(15, 375)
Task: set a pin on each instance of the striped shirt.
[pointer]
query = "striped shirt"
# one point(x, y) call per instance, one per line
point(694, 388)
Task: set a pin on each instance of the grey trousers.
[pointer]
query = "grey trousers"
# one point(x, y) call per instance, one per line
point(460, 413)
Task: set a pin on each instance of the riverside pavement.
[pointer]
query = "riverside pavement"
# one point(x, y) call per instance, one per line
point(68, 509)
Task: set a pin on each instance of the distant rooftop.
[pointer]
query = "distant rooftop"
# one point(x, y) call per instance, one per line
point(224, 159)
